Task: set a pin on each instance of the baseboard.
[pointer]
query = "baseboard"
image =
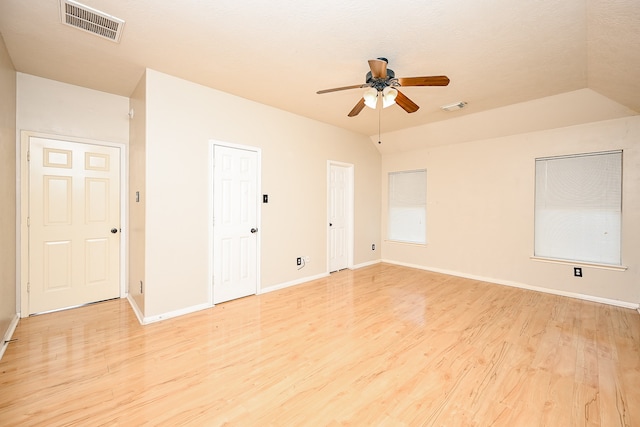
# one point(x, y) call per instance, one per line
point(310, 278)
point(8, 335)
point(366, 264)
point(152, 319)
point(292, 283)
point(136, 309)
point(584, 297)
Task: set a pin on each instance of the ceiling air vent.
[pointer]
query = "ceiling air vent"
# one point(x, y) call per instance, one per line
point(91, 20)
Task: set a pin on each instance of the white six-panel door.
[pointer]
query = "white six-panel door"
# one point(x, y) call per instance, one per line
point(338, 217)
point(74, 224)
point(235, 228)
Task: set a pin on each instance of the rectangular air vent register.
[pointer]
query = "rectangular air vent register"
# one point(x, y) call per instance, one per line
point(91, 20)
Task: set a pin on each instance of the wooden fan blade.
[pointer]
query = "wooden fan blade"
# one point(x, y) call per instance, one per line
point(378, 68)
point(424, 81)
point(335, 89)
point(356, 110)
point(407, 105)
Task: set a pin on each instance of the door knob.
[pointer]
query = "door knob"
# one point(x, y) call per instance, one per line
point(114, 230)
point(254, 230)
point(330, 225)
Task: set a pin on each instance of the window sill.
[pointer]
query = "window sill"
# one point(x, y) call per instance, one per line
point(580, 263)
point(400, 242)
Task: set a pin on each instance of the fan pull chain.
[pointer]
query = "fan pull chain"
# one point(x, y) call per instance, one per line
point(379, 118)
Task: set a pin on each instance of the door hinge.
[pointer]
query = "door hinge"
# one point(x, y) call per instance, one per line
point(28, 287)
point(28, 155)
point(28, 222)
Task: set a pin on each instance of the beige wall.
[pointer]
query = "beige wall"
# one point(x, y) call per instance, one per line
point(480, 193)
point(182, 118)
point(480, 207)
point(8, 307)
point(566, 109)
point(58, 108)
point(137, 183)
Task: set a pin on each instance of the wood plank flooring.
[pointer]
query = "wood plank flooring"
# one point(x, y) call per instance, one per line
point(380, 346)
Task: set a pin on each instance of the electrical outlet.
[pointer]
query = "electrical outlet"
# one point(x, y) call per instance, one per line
point(373, 246)
point(299, 261)
point(577, 271)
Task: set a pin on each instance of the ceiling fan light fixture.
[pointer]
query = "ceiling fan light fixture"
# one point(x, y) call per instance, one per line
point(389, 96)
point(371, 97)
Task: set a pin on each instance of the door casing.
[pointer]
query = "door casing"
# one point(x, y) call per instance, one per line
point(22, 238)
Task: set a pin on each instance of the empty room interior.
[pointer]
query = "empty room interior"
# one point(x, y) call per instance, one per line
point(320, 213)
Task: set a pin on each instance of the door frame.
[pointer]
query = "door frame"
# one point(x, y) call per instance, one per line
point(22, 239)
point(212, 146)
point(350, 211)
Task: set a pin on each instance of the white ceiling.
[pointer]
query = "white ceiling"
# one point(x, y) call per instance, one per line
point(279, 53)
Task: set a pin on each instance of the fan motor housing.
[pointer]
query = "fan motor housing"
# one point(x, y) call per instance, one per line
point(380, 83)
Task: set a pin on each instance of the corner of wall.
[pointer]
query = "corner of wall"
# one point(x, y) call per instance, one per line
point(8, 195)
point(9, 334)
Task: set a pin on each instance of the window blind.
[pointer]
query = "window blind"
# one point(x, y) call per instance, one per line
point(407, 207)
point(578, 205)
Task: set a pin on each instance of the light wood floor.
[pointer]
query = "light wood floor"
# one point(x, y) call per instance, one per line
point(383, 345)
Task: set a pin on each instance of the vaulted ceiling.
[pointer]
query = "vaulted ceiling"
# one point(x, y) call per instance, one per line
point(280, 53)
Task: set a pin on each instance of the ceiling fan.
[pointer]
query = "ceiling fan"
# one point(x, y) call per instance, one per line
point(383, 81)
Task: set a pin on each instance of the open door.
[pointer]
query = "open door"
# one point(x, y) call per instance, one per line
point(235, 222)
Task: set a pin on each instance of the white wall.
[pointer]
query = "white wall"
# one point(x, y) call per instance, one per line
point(480, 203)
point(182, 117)
point(58, 108)
point(8, 307)
point(137, 184)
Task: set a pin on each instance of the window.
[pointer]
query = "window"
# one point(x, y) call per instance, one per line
point(408, 206)
point(578, 204)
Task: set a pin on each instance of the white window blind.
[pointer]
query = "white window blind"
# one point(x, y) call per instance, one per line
point(578, 204)
point(408, 206)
